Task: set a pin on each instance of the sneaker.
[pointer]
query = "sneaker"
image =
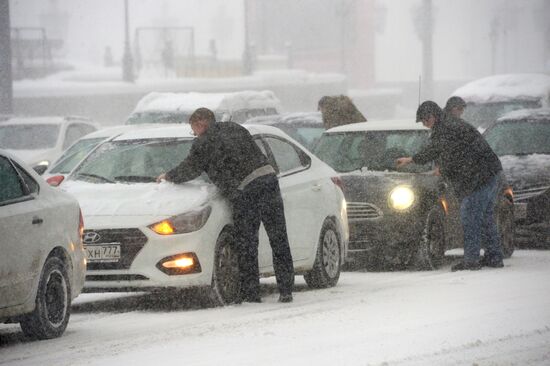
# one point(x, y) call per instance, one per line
point(486, 262)
point(285, 298)
point(461, 266)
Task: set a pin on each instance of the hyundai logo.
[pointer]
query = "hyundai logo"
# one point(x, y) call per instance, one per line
point(91, 237)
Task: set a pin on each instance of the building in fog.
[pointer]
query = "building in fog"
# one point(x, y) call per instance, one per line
point(314, 35)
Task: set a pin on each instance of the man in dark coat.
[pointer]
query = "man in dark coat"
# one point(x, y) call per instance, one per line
point(467, 161)
point(237, 166)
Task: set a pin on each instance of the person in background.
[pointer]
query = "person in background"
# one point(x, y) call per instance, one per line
point(237, 166)
point(455, 106)
point(338, 110)
point(469, 164)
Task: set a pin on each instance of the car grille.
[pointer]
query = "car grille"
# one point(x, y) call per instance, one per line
point(129, 277)
point(360, 211)
point(131, 241)
point(524, 194)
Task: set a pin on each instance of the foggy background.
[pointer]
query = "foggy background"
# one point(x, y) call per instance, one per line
point(373, 50)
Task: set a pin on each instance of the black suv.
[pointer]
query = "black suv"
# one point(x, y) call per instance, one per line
point(399, 218)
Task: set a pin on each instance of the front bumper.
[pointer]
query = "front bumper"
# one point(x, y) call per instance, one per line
point(390, 237)
point(138, 269)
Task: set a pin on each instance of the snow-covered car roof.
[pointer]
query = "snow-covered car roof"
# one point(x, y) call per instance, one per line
point(380, 125)
point(117, 130)
point(215, 101)
point(502, 88)
point(184, 131)
point(527, 114)
point(313, 118)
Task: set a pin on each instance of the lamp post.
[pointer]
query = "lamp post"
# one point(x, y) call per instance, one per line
point(127, 61)
point(6, 84)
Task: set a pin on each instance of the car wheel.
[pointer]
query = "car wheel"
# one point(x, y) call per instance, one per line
point(53, 303)
point(505, 224)
point(431, 252)
point(327, 266)
point(225, 277)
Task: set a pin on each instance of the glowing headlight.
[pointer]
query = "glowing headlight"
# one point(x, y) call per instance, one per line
point(401, 198)
point(184, 223)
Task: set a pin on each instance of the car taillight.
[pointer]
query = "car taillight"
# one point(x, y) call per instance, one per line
point(338, 182)
point(81, 224)
point(55, 180)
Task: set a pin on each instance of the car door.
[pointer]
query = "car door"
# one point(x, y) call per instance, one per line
point(302, 194)
point(21, 230)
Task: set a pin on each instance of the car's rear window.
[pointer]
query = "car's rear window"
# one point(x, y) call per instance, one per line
point(373, 150)
point(74, 155)
point(520, 137)
point(28, 136)
point(480, 115)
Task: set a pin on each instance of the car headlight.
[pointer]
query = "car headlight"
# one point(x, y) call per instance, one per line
point(401, 198)
point(184, 223)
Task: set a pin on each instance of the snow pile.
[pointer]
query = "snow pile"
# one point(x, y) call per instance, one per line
point(502, 88)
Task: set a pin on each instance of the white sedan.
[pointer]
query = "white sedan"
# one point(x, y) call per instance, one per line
point(42, 265)
point(142, 235)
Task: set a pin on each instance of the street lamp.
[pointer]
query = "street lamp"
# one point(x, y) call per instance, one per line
point(127, 61)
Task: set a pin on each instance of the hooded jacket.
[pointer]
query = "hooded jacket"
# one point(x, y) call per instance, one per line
point(465, 159)
point(228, 155)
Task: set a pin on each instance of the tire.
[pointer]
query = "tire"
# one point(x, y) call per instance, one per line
point(53, 303)
point(225, 276)
point(328, 262)
point(505, 226)
point(431, 251)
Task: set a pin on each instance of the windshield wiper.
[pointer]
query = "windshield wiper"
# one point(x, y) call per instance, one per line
point(136, 178)
point(94, 176)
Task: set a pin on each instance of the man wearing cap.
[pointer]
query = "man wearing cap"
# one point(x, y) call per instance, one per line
point(455, 106)
point(237, 166)
point(469, 164)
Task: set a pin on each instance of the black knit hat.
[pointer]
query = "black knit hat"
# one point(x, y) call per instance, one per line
point(426, 109)
point(455, 102)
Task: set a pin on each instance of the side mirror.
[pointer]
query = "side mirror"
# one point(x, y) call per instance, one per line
point(40, 169)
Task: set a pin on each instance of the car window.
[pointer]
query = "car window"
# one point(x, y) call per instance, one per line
point(286, 155)
point(28, 136)
point(519, 137)
point(32, 186)
point(74, 155)
point(133, 160)
point(12, 187)
point(73, 133)
point(373, 150)
point(480, 115)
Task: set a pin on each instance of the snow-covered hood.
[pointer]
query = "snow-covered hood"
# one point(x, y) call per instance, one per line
point(33, 156)
point(151, 201)
point(527, 171)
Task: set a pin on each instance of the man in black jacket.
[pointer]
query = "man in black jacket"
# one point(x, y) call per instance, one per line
point(470, 165)
point(237, 166)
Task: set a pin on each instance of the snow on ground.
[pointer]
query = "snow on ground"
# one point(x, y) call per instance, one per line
point(487, 317)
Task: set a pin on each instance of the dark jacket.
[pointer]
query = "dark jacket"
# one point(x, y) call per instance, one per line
point(226, 152)
point(465, 159)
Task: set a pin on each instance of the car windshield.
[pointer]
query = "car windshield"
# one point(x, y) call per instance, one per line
point(373, 150)
point(73, 155)
point(481, 115)
point(519, 137)
point(132, 161)
point(28, 136)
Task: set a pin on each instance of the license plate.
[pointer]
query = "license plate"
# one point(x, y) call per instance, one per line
point(520, 210)
point(109, 252)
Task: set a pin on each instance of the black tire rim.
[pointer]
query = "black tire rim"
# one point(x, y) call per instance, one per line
point(56, 298)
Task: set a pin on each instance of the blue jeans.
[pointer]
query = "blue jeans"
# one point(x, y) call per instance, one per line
point(478, 222)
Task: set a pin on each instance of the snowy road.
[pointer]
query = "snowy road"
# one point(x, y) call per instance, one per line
point(487, 317)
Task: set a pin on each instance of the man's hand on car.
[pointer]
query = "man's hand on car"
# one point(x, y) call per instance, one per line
point(401, 162)
point(161, 177)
